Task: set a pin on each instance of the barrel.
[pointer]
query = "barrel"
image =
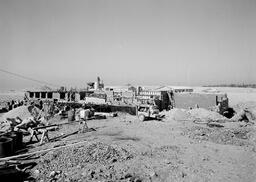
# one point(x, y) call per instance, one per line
point(17, 138)
point(71, 115)
point(6, 147)
point(13, 136)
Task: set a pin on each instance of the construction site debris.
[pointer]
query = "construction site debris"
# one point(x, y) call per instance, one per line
point(243, 105)
point(66, 158)
point(23, 112)
point(247, 115)
point(206, 115)
point(177, 114)
point(198, 115)
point(236, 136)
point(135, 151)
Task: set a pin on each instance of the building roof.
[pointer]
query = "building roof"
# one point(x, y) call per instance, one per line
point(41, 89)
point(163, 88)
point(168, 88)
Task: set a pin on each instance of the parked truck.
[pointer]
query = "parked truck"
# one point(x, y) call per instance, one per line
point(148, 112)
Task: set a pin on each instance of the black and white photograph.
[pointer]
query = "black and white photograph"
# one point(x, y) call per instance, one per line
point(128, 90)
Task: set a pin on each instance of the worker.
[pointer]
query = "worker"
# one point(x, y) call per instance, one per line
point(84, 116)
point(9, 105)
point(151, 110)
point(218, 107)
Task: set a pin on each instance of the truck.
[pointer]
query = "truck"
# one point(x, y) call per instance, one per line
point(145, 112)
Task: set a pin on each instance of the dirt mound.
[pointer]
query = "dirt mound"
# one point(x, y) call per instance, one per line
point(5, 126)
point(238, 136)
point(204, 114)
point(243, 105)
point(245, 111)
point(178, 115)
point(22, 112)
point(95, 153)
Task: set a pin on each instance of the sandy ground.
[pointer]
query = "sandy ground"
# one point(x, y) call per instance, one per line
point(154, 151)
point(125, 149)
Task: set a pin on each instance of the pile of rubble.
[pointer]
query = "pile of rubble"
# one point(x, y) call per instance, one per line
point(193, 114)
point(177, 115)
point(18, 115)
point(245, 112)
point(235, 136)
point(68, 158)
point(22, 112)
point(206, 115)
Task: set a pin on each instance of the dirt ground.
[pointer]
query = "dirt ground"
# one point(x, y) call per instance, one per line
point(125, 149)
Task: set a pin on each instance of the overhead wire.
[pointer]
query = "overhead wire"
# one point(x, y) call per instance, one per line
point(28, 78)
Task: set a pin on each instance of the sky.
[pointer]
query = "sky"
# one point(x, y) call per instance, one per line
point(141, 42)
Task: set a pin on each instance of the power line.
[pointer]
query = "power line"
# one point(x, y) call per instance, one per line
point(28, 78)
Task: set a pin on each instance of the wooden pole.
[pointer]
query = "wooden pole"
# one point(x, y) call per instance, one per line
point(41, 151)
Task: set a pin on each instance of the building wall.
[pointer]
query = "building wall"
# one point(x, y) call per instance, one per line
point(187, 100)
point(149, 93)
point(95, 100)
point(128, 94)
point(55, 95)
point(77, 97)
point(110, 95)
point(183, 90)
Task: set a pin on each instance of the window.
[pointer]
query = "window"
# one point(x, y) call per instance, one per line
point(62, 95)
point(43, 95)
point(49, 95)
point(31, 94)
point(82, 95)
point(37, 94)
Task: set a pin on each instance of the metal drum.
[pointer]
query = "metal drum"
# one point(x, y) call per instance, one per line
point(6, 147)
point(13, 136)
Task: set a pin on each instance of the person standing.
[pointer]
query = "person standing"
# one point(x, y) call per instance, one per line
point(84, 116)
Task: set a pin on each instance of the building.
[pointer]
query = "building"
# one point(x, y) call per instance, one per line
point(98, 85)
point(175, 89)
point(202, 100)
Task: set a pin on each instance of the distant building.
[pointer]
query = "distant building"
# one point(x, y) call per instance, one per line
point(175, 89)
point(98, 85)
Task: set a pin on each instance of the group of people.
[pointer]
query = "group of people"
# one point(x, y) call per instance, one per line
point(80, 115)
point(14, 103)
point(45, 110)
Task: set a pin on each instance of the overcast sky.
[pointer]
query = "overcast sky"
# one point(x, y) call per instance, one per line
point(142, 42)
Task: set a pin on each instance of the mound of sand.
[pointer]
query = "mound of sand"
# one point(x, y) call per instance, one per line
point(177, 114)
point(22, 112)
point(205, 114)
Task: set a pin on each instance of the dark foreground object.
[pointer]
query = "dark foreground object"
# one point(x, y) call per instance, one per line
point(15, 172)
point(6, 147)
